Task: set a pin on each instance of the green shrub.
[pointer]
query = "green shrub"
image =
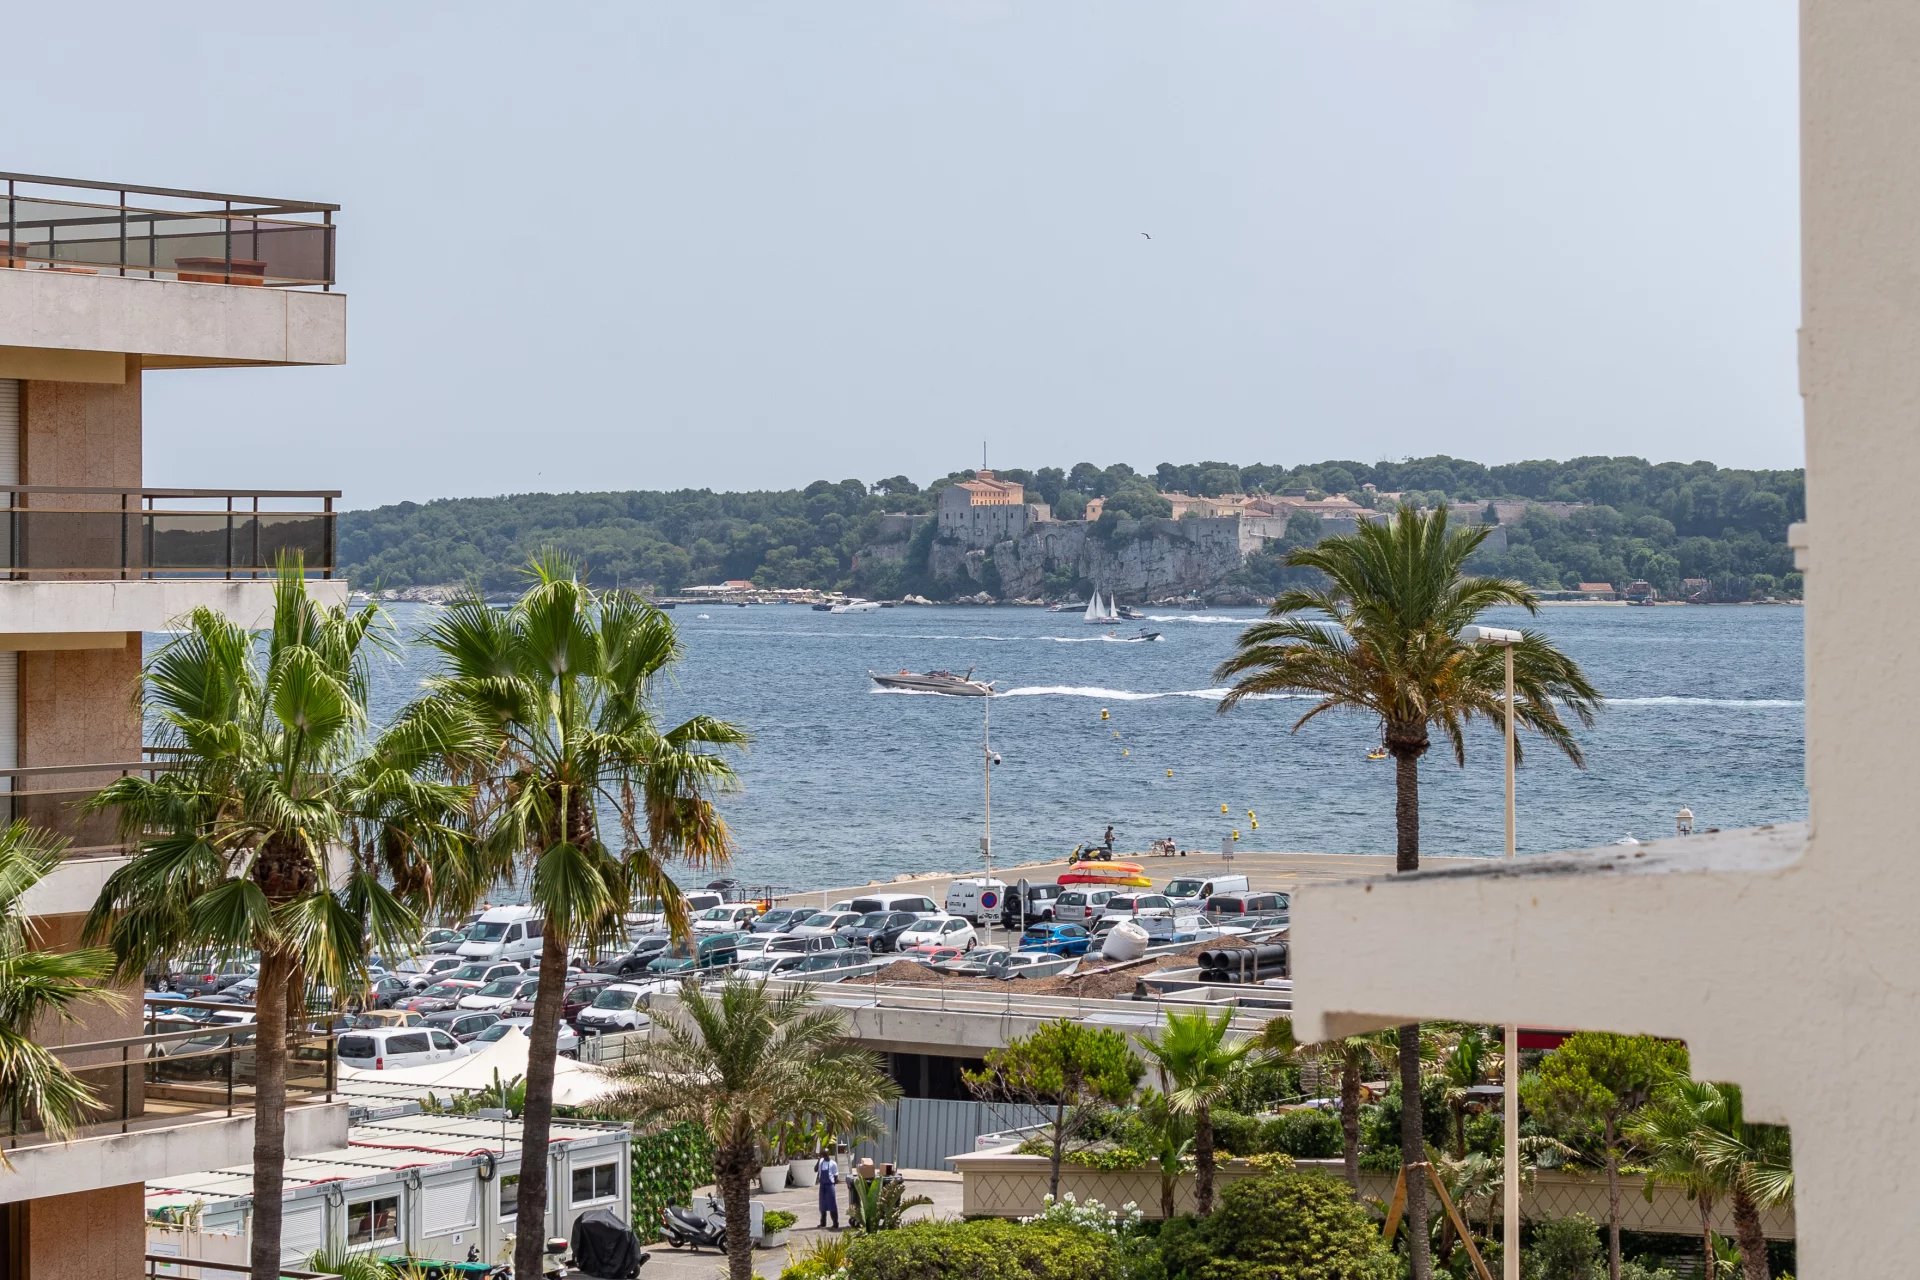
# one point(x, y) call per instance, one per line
point(983, 1250)
point(1563, 1249)
point(822, 1258)
point(1235, 1132)
point(1107, 1159)
point(777, 1220)
point(1631, 1270)
point(1289, 1226)
point(1304, 1135)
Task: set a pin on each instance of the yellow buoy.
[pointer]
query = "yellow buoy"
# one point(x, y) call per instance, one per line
point(1125, 752)
point(1169, 773)
point(1256, 824)
point(1236, 834)
point(1223, 808)
point(1103, 713)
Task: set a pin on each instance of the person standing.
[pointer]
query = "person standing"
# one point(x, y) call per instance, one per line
point(1108, 841)
point(827, 1178)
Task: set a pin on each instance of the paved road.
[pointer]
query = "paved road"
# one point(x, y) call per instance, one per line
point(666, 1263)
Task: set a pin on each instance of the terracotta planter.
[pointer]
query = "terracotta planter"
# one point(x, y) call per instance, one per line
point(773, 1178)
point(220, 270)
point(801, 1173)
point(13, 253)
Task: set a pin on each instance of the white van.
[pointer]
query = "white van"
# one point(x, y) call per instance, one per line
point(1081, 906)
point(505, 933)
point(974, 900)
point(384, 1048)
point(914, 903)
point(1190, 893)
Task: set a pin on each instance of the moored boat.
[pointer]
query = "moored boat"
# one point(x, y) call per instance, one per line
point(964, 686)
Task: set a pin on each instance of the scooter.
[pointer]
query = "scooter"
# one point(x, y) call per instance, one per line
point(686, 1226)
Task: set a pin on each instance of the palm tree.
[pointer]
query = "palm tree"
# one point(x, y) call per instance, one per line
point(1381, 637)
point(1698, 1136)
point(1199, 1067)
point(1353, 1059)
point(1172, 1140)
point(233, 845)
point(547, 710)
point(1468, 1061)
point(37, 986)
point(737, 1062)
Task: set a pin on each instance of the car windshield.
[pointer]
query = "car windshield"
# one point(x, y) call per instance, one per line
point(1184, 888)
point(615, 999)
point(500, 987)
point(469, 973)
point(874, 920)
point(487, 931)
point(716, 913)
point(445, 992)
point(497, 1031)
point(1039, 932)
point(767, 964)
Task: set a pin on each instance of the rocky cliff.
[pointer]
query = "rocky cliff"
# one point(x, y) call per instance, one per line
point(1144, 560)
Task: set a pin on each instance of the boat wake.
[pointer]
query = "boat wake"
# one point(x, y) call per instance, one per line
point(1196, 617)
point(1677, 701)
point(1130, 695)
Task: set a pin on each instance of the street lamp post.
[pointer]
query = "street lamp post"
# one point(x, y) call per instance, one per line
point(1510, 1048)
point(986, 840)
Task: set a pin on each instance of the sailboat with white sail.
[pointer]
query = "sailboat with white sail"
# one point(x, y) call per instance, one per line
point(1099, 613)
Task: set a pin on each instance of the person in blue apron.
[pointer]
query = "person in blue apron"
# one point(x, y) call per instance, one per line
point(828, 1181)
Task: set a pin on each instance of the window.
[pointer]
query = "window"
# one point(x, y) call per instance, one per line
point(595, 1182)
point(509, 1194)
point(441, 1040)
point(514, 934)
point(414, 1043)
point(356, 1046)
point(375, 1221)
point(536, 928)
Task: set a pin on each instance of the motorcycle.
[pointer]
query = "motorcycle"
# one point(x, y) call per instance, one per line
point(1089, 852)
point(686, 1226)
point(602, 1248)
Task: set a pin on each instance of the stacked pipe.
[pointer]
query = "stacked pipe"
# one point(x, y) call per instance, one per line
point(1244, 964)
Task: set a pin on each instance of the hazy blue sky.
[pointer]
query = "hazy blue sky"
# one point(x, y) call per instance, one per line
point(743, 245)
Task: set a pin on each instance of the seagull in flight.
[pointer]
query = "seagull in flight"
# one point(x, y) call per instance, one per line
point(1145, 234)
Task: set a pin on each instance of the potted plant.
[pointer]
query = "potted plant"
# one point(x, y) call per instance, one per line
point(773, 1162)
point(803, 1144)
point(773, 1228)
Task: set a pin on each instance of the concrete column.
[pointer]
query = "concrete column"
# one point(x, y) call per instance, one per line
point(87, 435)
point(89, 1235)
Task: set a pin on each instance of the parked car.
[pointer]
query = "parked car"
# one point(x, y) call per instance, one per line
point(778, 919)
point(1056, 939)
point(784, 965)
point(618, 1007)
point(784, 942)
point(934, 954)
point(442, 941)
point(1081, 906)
point(462, 1024)
point(206, 1057)
point(730, 918)
point(568, 1043)
point(391, 1047)
point(973, 900)
point(385, 990)
point(207, 978)
point(1036, 904)
point(939, 931)
point(635, 958)
point(1249, 904)
point(748, 945)
point(441, 996)
point(832, 966)
point(879, 929)
point(712, 951)
point(501, 992)
point(699, 900)
point(916, 903)
point(377, 1018)
point(421, 972)
point(478, 974)
point(1190, 893)
point(1131, 906)
point(823, 922)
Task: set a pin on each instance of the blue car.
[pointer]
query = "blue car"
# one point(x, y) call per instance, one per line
point(1056, 939)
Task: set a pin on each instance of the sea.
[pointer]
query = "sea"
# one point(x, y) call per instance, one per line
point(845, 783)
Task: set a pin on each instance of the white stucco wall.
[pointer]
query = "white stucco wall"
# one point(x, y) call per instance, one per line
point(171, 321)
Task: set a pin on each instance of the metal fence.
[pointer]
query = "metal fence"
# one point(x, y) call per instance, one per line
point(57, 532)
point(920, 1133)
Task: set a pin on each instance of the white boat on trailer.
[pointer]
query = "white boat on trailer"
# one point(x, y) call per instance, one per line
point(963, 686)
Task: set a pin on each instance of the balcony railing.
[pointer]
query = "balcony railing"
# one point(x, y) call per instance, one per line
point(95, 228)
point(51, 798)
point(168, 1077)
point(62, 533)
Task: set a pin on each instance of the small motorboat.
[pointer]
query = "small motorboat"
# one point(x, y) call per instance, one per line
point(1378, 753)
point(1138, 637)
point(823, 607)
point(963, 686)
point(856, 606)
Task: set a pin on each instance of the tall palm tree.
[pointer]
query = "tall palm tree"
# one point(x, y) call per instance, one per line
point(1172, 1136)
point(1199, 1067)
point(233, 846)
point(1697, 1135)
point(739, 1061)
point(1381, 638)
point(1468, 1061)
point(37, 987)
point(547, 710)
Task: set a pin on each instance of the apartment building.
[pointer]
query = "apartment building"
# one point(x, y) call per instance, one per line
point(102, 286)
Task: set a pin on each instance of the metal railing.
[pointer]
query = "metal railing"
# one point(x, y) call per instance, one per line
point(51, 796)
point(207, 237)
point(178, 1076)
point(56, 532)
point(163, 1266)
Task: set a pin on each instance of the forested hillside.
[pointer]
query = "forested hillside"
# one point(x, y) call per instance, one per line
point(1662, 522)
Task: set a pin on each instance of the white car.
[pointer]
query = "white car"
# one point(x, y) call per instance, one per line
point(822, 923)
point(1135, 906)
point(569, 1042)
point(619, 1007)
point(940, 931)
point(389, 1047)
point(774, 964)
point(500, 993)
point(421, 972)
point(726, 919)
point(751, 946)
point(1081, 906)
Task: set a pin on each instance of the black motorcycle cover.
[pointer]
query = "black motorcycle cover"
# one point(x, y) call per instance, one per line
point(604, 1248)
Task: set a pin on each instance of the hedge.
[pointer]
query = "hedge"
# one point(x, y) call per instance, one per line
point(1290, 1226)
point(983, 1250)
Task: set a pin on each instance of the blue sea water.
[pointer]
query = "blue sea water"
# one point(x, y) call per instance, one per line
point(844, 783)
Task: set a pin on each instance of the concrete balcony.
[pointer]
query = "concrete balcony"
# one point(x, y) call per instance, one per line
point(93, 273)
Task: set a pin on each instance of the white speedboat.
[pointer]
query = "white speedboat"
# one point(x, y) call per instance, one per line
point(856, 606)
point(935, 682)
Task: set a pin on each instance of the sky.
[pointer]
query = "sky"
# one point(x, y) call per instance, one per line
point(738, 245)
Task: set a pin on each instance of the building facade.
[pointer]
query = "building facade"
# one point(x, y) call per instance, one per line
point(103, 286)
point(987, 510)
